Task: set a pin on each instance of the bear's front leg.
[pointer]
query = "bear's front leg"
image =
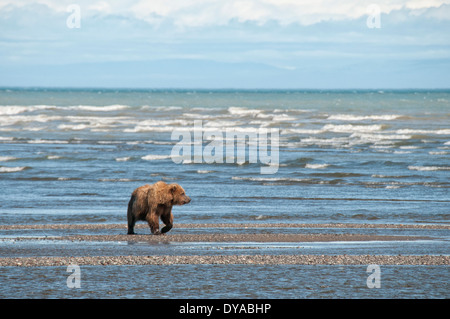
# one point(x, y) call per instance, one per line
point(153, 222)
point(167, 218)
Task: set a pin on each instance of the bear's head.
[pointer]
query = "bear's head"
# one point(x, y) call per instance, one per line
point(179, 195)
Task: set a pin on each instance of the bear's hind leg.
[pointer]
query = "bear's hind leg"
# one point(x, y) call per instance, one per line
point(131, 222)
point(131, 216)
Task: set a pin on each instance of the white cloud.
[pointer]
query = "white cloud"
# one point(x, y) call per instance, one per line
point(194, 13)
point(204, 13)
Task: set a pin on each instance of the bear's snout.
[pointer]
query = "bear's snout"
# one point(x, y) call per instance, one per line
point(187, 200)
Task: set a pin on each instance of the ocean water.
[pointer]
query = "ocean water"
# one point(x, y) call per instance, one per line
point(75, 156)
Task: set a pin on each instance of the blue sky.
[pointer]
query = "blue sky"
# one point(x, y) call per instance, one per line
point(226, 44)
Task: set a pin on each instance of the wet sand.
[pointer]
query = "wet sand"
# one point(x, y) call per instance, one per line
point(217, 236)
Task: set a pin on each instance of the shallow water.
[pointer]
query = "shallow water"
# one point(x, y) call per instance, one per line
point(229, 281)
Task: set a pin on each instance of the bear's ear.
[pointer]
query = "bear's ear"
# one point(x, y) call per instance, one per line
point(173, 188)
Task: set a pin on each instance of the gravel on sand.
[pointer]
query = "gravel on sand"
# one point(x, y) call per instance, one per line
point(229, 259)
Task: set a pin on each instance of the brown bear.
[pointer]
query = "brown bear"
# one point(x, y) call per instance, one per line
point(151, 202)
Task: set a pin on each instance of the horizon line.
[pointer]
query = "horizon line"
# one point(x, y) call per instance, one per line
point(381, 89)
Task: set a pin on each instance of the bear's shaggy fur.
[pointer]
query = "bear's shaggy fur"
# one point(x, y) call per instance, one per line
point(151, 202)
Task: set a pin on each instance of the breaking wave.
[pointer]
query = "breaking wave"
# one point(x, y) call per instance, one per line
point(316, 166)
point(350, 117)
point(429, 168)
point(5, 169)
point(152, 157)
